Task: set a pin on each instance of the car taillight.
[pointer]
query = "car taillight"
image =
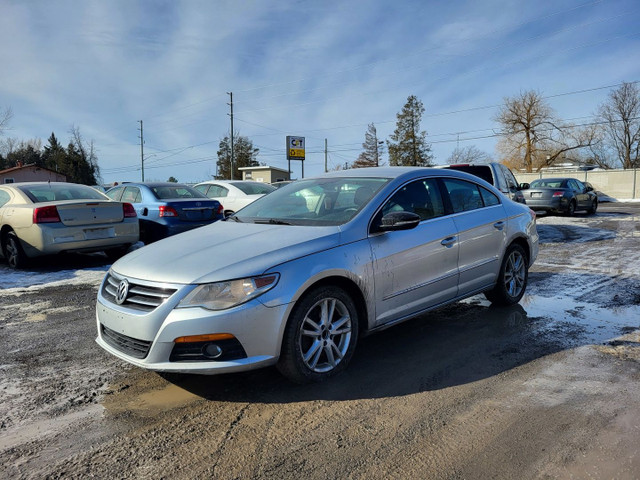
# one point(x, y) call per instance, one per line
point(558, 194)
point(128, 210)
point(46, 215)
point(533, 214)
point(220, 209)
point(167, 211)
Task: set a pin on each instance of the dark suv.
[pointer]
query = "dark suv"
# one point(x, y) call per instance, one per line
point(497, 175)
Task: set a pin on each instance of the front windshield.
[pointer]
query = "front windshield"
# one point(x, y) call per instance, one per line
point(319, 201)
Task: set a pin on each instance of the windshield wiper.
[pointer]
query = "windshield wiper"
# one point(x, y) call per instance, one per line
point(272, 221)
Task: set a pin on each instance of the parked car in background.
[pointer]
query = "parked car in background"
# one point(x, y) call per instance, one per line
point(497, 175)
point(561, 195)
point(42, 218)
point(313, 267)
point(166, 208)
point(234, 194)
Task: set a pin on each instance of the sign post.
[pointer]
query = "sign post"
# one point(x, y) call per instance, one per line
point(295, 151)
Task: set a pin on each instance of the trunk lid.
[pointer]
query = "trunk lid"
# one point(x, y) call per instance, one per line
point(90, 212)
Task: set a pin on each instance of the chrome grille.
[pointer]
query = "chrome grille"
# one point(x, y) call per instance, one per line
point(140, 297)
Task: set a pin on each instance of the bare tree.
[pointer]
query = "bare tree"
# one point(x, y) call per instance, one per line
point(5, 117)
point(621, 116)
point(531, 132)
point(470, 154)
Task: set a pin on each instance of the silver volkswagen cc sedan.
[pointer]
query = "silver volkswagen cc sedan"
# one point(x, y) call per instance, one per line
point(295, 278)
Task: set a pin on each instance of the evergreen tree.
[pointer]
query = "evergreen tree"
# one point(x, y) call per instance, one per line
point(408, 145)
point(25, 155)
point(244, 155)
point(53, 155)
point(371, 155)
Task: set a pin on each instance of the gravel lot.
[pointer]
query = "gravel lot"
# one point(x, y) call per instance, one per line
point(545, 389)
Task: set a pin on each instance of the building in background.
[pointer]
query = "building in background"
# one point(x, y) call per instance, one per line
point(30, 173)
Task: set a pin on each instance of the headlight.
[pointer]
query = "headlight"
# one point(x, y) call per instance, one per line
point(222, 295)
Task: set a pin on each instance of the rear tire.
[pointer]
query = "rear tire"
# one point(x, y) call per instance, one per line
point(13, 252)
point(320, 336)
point(571, 210)
point(512, 278)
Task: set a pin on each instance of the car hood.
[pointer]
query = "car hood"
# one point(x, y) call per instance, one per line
point(223, 251)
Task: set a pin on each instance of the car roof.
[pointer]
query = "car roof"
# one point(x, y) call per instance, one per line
point(230, 182)
point(398, 172)
point(555, 179)
point(150, 184)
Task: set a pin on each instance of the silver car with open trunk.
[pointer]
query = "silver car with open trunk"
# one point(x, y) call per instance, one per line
point(295, 278)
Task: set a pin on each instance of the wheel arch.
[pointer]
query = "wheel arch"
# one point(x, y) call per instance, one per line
point(522, 242)
point(350, 287)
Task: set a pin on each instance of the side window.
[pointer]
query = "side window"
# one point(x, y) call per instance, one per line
point(421, 197)
point(579, 185)
point(115, 193)
point(464, 196)
point(512, 184)
point(500, 183)
point(4, 197)
point(202, 188)
point(489, 198)
point(131, 195)
point(217, 191)
point(573, 184)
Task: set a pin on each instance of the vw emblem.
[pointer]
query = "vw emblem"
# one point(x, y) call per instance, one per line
point(122, 292)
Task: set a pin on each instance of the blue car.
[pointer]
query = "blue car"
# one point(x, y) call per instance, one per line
point(165, 209)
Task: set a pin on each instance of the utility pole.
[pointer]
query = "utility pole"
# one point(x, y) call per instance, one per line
point(141, 149)
point(231, 115)
point(325, 156)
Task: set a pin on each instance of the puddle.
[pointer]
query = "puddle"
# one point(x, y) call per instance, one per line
point(581, 323)
point(150, 401)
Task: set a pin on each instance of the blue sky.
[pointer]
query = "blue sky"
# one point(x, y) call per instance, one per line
point(318, 69)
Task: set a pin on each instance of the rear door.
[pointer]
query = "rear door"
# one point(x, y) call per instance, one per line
point(415, 269)
point(481, 224)
point(582, 196)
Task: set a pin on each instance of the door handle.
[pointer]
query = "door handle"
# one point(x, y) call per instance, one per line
point(499, 225)
point(448, 242)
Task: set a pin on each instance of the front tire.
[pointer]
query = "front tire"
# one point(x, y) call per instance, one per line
point(13, 251)
point(320, 337)
point(512, 278)
point(594, 207)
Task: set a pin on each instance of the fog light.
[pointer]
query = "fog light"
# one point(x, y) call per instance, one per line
point(211, 350)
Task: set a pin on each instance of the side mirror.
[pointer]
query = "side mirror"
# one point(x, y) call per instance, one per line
point(399, 221)
point(588, 188)
point(523, 186)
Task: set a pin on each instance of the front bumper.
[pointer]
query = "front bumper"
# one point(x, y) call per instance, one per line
point(256, 327)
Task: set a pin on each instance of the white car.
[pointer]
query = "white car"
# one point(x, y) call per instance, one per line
point(232, 194)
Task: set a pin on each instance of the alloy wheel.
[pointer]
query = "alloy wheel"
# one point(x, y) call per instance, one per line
point(12, 251)
point(325, 335)
point(515, 274)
